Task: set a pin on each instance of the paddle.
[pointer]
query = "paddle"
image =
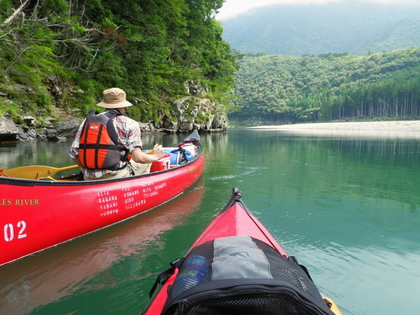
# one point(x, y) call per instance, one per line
point(36, 171)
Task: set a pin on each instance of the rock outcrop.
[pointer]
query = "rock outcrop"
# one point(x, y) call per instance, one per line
point(8, 130)
point(195, 113)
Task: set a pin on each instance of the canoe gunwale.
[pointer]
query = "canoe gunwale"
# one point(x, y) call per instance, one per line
point(192, 138)
point(49, 182)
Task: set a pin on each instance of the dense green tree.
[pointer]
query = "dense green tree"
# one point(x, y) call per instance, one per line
point(329, 87)
point(149, 48)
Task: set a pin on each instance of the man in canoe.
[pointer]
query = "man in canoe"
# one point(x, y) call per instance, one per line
point(108, 145)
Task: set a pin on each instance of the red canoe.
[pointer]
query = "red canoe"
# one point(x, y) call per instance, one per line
point(37, 214)
point(240, 269)
point(59, 272)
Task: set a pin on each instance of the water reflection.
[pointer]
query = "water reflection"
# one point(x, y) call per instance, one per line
point(347, 206)
point(360, 166)
point(59, 272)
point(367, 276)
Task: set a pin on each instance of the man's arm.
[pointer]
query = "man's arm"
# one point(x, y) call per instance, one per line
point(141, 157)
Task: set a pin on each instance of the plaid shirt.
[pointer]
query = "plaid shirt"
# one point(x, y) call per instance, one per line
point(129, 138)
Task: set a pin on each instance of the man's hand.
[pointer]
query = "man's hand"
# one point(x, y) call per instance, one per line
point(157, 151)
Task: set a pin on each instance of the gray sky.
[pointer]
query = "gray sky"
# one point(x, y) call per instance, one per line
point(233, 7)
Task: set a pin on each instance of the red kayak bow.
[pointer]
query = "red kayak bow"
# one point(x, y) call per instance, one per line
point(236, 267)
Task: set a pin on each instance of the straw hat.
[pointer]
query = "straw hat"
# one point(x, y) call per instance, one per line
point(114, 98)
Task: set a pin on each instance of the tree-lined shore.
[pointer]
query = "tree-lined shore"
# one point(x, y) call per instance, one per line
point(283, 89)
point(58, 56)
point(63, 54)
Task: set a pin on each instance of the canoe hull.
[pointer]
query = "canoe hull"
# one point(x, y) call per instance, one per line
point(36, 215)
point(56, 273)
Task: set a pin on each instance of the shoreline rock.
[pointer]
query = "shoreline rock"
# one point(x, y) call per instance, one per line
point(192, 112)
point(31, 130)
point(8, 130)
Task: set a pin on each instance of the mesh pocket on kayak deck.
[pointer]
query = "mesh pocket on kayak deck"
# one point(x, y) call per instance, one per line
point(252, 305)
point(241, 275)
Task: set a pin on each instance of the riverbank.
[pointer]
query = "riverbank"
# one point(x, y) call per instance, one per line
point(390, 129)
point(401, 125)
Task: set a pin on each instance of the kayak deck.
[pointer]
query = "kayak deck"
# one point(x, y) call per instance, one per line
point(236, 220)
point(235, 285)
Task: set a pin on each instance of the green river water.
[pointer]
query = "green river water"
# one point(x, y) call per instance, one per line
point(346, 205)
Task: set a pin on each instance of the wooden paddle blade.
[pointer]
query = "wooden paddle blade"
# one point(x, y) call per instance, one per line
point(36, 171)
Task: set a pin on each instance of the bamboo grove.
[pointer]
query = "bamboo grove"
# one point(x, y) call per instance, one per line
point(329, 87)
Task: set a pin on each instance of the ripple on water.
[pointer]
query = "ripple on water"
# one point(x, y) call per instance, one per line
point(362, 272)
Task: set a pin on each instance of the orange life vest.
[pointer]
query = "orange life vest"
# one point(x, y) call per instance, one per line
point(98, 148)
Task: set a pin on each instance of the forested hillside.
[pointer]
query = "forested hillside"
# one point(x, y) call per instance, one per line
point(65, 53)
point(284, 89)
point(60, 53)
point(351, 26)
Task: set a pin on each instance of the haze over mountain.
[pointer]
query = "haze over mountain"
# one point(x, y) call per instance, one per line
point(344, 27)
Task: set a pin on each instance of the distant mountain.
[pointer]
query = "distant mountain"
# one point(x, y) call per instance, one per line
point(351, 26)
